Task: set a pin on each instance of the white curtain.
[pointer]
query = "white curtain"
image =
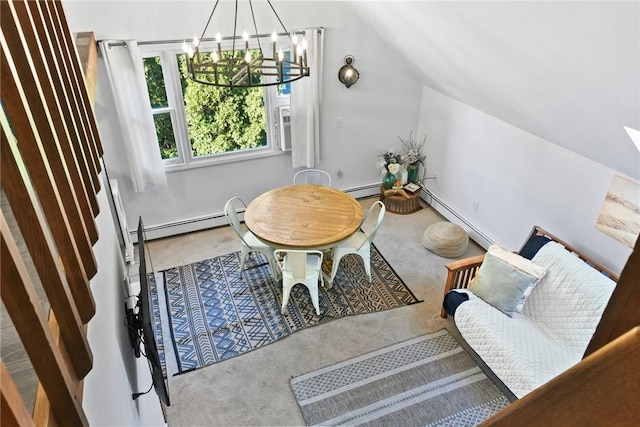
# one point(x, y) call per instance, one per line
point(306, 98)
point(129, 89)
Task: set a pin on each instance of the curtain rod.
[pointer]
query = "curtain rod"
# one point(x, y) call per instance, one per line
point(210, 39)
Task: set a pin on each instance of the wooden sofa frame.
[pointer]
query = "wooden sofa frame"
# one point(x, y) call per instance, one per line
point(460, 273)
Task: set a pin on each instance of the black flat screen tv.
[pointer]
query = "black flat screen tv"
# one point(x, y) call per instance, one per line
point(142, 324)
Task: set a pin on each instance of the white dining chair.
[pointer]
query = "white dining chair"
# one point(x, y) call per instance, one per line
point(359, 243)
point(300, 266)
point(250, 243)
point(312, 176)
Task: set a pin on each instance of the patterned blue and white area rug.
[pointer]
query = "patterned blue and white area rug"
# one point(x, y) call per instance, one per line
point(426, 381)
point(215, 312)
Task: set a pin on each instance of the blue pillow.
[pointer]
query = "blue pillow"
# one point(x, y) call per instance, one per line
point(533, 245)
point(452, 300)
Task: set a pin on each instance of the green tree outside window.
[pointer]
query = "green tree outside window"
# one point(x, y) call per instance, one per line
point(222, 119)
point(158, 100)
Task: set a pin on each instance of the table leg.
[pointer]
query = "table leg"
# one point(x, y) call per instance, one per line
point(328, 283)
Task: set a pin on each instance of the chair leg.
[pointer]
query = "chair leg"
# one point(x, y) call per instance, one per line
point(286, 291)
point(365, 254)
point(367, 266)
point(275, 268)
point(315, 299)
point(272, 264)
point(334, 266)
point(243, 255)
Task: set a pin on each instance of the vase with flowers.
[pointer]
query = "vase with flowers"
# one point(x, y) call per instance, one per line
point(389, 165)
point(413, 157)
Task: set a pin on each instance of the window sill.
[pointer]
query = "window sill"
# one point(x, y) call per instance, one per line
point(221, 159)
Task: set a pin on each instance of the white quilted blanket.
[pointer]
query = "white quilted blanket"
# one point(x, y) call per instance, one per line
point(569, 302)
point(551, 334)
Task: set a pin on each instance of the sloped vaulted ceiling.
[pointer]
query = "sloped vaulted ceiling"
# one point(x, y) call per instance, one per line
point(568, 72)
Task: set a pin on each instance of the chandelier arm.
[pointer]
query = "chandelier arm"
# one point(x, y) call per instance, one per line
point(210, 39)
point(255, 26)
point(235, 23)
point(279, 20)
point(208, 83)
point(209, 20)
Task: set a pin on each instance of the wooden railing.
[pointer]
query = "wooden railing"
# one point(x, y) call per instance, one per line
point(50, 151)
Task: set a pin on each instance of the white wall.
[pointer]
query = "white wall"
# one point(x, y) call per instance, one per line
point(566, 71)
point(116, 373)
point(383, 105)
point(462, 47)
point(518, 179)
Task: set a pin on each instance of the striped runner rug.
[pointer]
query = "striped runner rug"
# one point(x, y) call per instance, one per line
point(426, 381)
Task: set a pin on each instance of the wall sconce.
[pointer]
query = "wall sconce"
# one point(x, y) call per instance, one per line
point(348, 75)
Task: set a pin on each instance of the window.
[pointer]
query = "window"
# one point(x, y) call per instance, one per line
point(199, 124)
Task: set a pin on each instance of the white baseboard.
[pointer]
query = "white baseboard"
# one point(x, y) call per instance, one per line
point(217, 219)
point(444, 209)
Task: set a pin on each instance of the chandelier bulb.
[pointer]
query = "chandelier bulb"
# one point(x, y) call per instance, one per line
point(187, 49)
point(304, 44)
point(294, 39)
point(218, 37)
point(274, 37)
point(245, 36)
point(196, 41)
point(280, 55)
point(247, 57)
point(214, 56)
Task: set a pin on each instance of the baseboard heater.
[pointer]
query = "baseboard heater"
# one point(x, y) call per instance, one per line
point(122, 220)
point(218, 220)
point(185, 222)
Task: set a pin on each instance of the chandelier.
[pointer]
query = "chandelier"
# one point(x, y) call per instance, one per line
point(254, 60)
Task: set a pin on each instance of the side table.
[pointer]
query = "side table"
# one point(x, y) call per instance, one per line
point(399, 204)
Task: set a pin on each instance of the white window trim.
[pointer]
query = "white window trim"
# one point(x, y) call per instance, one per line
point(185, 159)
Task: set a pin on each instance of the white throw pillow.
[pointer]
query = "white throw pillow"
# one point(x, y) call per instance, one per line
point(505, 279)
point(523, 264)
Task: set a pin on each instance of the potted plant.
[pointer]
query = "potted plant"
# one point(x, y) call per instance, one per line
point(389, 165)
point(413, 157)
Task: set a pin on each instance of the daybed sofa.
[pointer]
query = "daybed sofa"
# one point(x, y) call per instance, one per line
point(529, 316)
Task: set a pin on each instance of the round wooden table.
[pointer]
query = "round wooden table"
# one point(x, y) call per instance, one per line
point(303, 216)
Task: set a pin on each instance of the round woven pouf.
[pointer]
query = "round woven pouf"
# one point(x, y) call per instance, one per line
point(446, 239)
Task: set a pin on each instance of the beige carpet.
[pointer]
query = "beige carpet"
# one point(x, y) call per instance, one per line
point(253, 389)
